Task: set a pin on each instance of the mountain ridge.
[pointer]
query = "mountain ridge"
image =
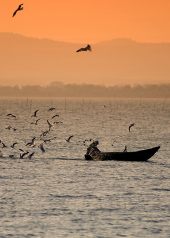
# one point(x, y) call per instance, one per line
point(28, 60)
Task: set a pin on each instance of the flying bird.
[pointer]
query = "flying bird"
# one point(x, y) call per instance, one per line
point(11, 115)
point(31, 155)
point(32, 142)
point(35, 113)
point(36, 122)
point(21, 156)
point(44, 133)
point(49, 124)
point(41, 147)
point(54, 116)
point(51, 109)
point(20, 8)
point(87, 48)
point(131, 125)
point(13, 145)
point(125, 149)
point(69, 138)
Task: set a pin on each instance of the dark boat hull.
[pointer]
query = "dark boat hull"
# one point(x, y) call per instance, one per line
point(141, 155)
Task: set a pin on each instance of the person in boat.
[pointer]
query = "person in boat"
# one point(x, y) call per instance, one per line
point(93, 153)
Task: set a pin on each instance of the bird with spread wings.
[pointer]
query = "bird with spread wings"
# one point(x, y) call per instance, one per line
point(20, 8)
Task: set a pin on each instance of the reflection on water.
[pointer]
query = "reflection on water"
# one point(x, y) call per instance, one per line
point(58, 194)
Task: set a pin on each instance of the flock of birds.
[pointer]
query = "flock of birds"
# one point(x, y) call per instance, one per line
point(21, 8)
point(36, 141)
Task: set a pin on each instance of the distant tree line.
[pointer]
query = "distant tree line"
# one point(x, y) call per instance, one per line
point(57, 89)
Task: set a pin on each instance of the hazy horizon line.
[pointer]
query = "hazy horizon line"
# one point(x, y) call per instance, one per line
point(92, 42)
point(60, 83)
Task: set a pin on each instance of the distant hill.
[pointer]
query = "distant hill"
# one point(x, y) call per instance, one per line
point(25, 60)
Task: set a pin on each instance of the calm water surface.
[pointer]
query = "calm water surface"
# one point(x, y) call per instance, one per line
point(59, 194)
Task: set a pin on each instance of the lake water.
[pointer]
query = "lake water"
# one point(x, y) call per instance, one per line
point(59, 194)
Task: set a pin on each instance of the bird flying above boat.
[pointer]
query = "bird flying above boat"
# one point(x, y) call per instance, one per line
point(125, 149)
point(131, 125)
point(20, 8)
point(87, 48)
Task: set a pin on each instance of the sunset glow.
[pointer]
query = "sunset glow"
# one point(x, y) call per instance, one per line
point(89, 21)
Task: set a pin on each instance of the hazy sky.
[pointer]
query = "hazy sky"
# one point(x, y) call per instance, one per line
point(89, 20)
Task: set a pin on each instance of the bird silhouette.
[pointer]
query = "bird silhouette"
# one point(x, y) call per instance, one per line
point(20, 8)
point(87, 48)
point(13, 145)
point(21, 156)
point(35, 113)
point(125, 149)
point(69, 138)
point(131, 125)
point(54, 116)
point(31, 155)
point(36, 122)
point(51, 109)
point(49, 124)
point(42, 148)
point(3, 145)
point(11, 115)
point(32, 142)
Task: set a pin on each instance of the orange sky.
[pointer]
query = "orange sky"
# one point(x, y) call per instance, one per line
point(89, 20)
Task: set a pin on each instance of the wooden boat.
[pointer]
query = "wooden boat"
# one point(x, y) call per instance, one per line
point(141, 155)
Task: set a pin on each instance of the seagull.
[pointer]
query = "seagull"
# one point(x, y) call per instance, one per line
point(11, 115)
point(87, 48)
point(14, 144)
point(57, 122)
point(20, 8)
point(125, 149)
point(32, 142)
point(8, 128)
point(51, 109)
point(49, 124)
point(41, 147)
point(69, 138)
point(131, 125)
point(44, 133)
point(31, 155)
point(49, 140)
point(36, 122)
point(12, 156)
point(35, 113)
point(54, 116)
point(3, 145)
point(21, 156)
